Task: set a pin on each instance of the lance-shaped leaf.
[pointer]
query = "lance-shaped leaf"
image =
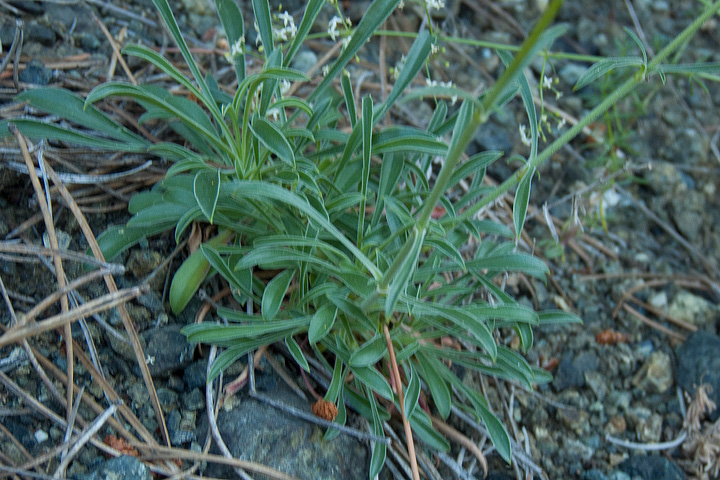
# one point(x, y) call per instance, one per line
point(274, 293)
point(206, 189)
point(273, 139)
point(369, 352)
point(322, 322)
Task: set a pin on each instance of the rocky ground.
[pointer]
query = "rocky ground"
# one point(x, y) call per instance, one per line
point(646, 286)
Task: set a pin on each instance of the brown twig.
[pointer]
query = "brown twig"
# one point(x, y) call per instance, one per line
point(450, 432)
point(653, 323)
point(401, 399)
point(45, 208)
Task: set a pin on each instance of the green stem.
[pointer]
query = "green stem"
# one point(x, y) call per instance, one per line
point(526, 49)
point(600, 109)
point(462, 138)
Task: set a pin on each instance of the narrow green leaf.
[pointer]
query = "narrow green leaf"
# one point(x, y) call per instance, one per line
point(150, 95)
point(379, 450)
point(604, 66)
point(522, 200)
point(349, 98)
point(261, 8)
point(367, 148)
point(331, 395)
point(311, 12)
point(206, 189)
point(439, 389)
point(149, 55)
point(192, 272)
point(473, 166)
point(447, 249)
point(273, 139)
point(371, 378)
point(390, 171)
point(220, 265)
point(297, 352)
point(414, 61)
point(169, 20)
point(691, 68)
point(117, 239)
point(69, 105)
point(322, 322)
point(232, 21)
point(422, 427)
point(262, 190)
point(39, 130)
point(369, 352)
point(400, 278)
point(275, 293)
point(412, 392)
point(638, 42)
point(376, 14)
point(521, 262)
point(553, 317)
point(214, 333)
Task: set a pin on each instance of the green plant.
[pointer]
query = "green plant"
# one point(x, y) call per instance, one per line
point(344, 222)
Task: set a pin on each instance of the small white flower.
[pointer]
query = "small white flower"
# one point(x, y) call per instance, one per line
point(284, 86)
point(561, 123)
point(524, 137)
point(238, 47)
point(401, 5)
point(150, 360)
point(274, 113)
point(434, 48)
point(436, 4)
point(346, 41)
point(547, 82)
point(325, 70)
point(332, 27)
point(286, 18)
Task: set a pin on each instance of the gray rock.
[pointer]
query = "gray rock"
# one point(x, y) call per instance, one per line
point(699, 363)
point(168, 399)
point(35, 73)
point(195, 374)
point(258, 432)
point(167, 350)
point(649, 430)
point(121, 468)
point(656, 374)
point(492, 137)
point(652, 467)
point(194, 400)
point(692, 308)
point(598, 383)
point(304, 60)
point(594, 474)
point(40, 34)
point(571, 371)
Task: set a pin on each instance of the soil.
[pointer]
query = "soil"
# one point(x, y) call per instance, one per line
point(634, 205)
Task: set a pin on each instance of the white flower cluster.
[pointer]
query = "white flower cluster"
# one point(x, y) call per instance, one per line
point(436, 4)
point(238, 48)
point(333, 28)
point(288, 30)
point(398, 67)
point(449, 84)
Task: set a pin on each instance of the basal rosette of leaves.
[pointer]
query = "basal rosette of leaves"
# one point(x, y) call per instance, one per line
point(341, 218)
